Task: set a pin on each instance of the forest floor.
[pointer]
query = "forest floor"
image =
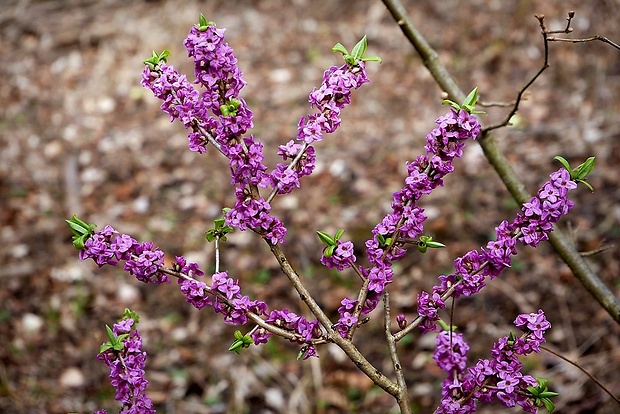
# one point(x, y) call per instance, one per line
point(78, 135)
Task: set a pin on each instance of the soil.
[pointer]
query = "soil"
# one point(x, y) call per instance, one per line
point(79, 135)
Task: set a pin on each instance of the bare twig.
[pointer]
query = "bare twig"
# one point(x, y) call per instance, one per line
point(588, 39)
point(546, 39)
point(504, 170)
point(497, 104)
point(597, 382)
point(597, 250)
point(217, 254)
point(403, 397)
point(544, 66)
point(569, 29)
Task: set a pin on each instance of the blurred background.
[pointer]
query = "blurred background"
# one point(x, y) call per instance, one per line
point(78, 135)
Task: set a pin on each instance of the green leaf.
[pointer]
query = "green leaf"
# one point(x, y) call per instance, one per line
point(469, 104)
point(563, 162)
point(372, 58)
point(78, 227)
point(359, 49)
point(104, 347)
point(81, 231)
point(339, 48)
point(587, 184)
point(203, 23)
point(427, 241)
point(236, 346)
point(156, 58)
point(548, 404)
point(120, 344)
point(511, 338)
point(542, 394)
point(111, 335)
point(241, 341)
point(164, 55)
point(247, 341)
point(210, 235)
point(472, 98)
point(129, 314)
point(329, 251)
point(580, 173)
point(326, 238)
point(339, 234)
point(585, 168)
point(453, 104)
point(357, 54)
point(302, 352)
point(220, 229)
point(230, 108)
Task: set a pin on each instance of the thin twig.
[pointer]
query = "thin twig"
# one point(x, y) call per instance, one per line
point(601, 386)
point(588, 39)
point(544, 66)
point(497, 104)
point(403, 397)
point(597, 250)
point(546, 39)
point(217, 254)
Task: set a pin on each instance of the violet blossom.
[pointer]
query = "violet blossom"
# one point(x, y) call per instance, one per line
point(127, 370)
point(499, 377)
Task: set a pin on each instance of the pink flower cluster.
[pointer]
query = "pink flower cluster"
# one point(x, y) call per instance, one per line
point(529, 227)
point(426, 173)
point(142, 260)
point(127, 370)
point(499, 377)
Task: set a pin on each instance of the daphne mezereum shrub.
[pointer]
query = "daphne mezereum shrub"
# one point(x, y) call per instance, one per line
point(212, 109)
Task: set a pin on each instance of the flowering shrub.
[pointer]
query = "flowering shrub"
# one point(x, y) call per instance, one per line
point(215, 114)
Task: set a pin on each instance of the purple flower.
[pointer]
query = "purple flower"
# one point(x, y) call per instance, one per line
point(501, 376)
point(190, 269)
point(535, 324)
point(379, 278)
point(530, 228)
point(195, 292)
point(429, 304)
point(307, 330)
point(127, 369)
point(260, 336)
point(532, 208)
point(225, 285)
point(180, 100)
point(145, 267)
point(426, 173)
point(284, 179)
point(342, 256)
point(333, 95)
point(451, 352)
